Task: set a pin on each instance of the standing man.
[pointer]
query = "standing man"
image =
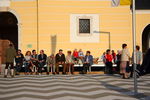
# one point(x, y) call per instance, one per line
point(139, 57)
point(60, 60)
point(10, 56)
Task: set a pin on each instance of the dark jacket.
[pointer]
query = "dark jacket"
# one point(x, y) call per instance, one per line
point(60, 58)
point(10, 55)
point(90, 59)
point(35, 57)
point(146, 63)
point(40, 58)
point(19, 58)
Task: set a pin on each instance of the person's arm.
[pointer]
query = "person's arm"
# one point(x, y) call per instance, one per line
point(140, 58)
point(91, 59)
point(64, 58)
point(56, 58)
point(45, 58)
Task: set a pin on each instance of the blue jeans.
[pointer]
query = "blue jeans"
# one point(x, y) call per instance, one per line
point(18, 67)
point(27, 66)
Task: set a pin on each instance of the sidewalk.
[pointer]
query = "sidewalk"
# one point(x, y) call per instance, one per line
point(73, 87)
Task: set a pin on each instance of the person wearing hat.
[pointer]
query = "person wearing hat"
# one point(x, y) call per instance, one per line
point(60, 60)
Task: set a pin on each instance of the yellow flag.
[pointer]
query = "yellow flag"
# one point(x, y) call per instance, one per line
point(125, 2)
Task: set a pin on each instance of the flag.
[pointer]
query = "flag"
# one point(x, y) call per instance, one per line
point(125, 2)
point(115, 3)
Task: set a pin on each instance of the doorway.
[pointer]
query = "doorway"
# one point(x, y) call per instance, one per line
point(8, 32)
point(146, 39)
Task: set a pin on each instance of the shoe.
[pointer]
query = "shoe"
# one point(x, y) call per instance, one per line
point(47, 73)
point(12, 76)
point(5, 76)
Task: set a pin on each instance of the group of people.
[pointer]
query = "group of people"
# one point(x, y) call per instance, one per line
point(33, 62)
point(123, 60)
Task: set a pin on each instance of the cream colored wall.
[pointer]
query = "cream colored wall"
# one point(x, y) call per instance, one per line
point(54, 19)
point(142, 20)
point(27, 23)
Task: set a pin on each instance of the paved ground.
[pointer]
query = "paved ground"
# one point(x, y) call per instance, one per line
point(73, 87)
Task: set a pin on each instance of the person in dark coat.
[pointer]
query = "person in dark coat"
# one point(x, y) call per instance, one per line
point(60, 60)
point(19, 61)
point(145, 67)
point(42, 60)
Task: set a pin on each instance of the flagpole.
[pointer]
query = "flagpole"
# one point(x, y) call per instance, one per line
point(134, 45)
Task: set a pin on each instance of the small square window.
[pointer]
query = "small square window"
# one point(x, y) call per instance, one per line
point(84, 26)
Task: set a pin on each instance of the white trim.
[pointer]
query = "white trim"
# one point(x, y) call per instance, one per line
point(142, 11)
point(75, 37)
point(80, 0)
point(19, 26)
point(142, 34)
point(23, 0)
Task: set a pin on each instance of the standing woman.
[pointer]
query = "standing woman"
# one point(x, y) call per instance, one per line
point(124, 66)
point(108, 62)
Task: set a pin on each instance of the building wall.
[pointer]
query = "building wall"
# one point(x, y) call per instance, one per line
point(54, 24)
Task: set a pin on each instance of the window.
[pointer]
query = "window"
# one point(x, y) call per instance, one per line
point(84, 26)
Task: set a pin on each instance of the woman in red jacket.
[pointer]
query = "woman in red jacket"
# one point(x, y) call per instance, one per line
point(108, 62)
point(75, 56)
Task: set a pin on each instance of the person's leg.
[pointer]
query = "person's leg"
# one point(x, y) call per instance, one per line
point(57, 68)
point(6, 70)
point(12, 69)
point(27, 68)
point(110, 67)
point(72, 68)
point(84, 69)
point(64, 68)
point(48, 68)
point(131, 69)
point(107, 68)
point(87, 67)
point(18, 68)
point(67, 68)
point(40, 68)
point(53, 69)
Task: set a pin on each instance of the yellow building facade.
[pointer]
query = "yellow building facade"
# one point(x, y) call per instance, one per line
point(54, 24)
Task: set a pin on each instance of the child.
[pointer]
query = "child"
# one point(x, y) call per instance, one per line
point(108, 62)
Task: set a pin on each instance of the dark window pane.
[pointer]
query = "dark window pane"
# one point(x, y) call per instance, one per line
point(142, 4)
point(84, 25)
